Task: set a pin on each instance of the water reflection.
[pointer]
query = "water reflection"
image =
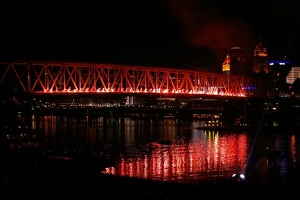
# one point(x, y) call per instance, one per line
point(203, 156)
point(172, 150)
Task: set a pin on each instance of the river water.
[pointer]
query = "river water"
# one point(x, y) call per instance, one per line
point(169, 149)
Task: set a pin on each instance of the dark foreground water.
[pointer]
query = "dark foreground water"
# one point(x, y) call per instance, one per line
point(61, 153)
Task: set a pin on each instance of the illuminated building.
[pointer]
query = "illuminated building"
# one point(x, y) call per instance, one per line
point(260, 64)
point(293, 75)
point(226, 65)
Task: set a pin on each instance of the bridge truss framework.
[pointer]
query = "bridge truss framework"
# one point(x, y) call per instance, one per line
point(38, 77)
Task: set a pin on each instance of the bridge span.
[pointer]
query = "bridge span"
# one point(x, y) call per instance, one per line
point(63, 78)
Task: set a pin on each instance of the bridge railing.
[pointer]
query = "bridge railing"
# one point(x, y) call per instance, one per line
point(67, 77)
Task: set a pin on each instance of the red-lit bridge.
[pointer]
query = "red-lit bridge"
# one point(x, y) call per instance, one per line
point(37, 77)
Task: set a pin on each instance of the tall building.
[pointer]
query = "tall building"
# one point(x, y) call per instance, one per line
point(240, 62)
point(278, 71)
point(260, 59)
point(226, 65)
point(237, 62)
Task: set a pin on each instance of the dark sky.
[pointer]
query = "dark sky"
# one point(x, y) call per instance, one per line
point(165, 33)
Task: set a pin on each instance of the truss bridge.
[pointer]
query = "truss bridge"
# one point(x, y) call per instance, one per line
point(40, 77)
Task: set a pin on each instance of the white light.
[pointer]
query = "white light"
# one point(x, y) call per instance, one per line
point(239, 177)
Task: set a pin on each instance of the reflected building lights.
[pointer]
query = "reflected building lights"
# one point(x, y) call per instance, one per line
point(293, 149)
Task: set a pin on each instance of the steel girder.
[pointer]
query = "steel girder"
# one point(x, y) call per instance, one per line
point(66, 77)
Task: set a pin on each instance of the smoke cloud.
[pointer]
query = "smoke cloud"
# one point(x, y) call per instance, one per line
point(211, 30)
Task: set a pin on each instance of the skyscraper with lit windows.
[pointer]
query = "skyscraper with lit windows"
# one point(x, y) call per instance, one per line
point(293, 75)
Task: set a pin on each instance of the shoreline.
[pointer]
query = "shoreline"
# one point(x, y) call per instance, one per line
point(110, 187)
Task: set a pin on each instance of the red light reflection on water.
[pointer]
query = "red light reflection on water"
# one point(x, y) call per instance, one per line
point(207, 157)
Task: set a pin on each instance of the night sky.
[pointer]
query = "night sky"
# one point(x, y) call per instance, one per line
point(161, 33)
